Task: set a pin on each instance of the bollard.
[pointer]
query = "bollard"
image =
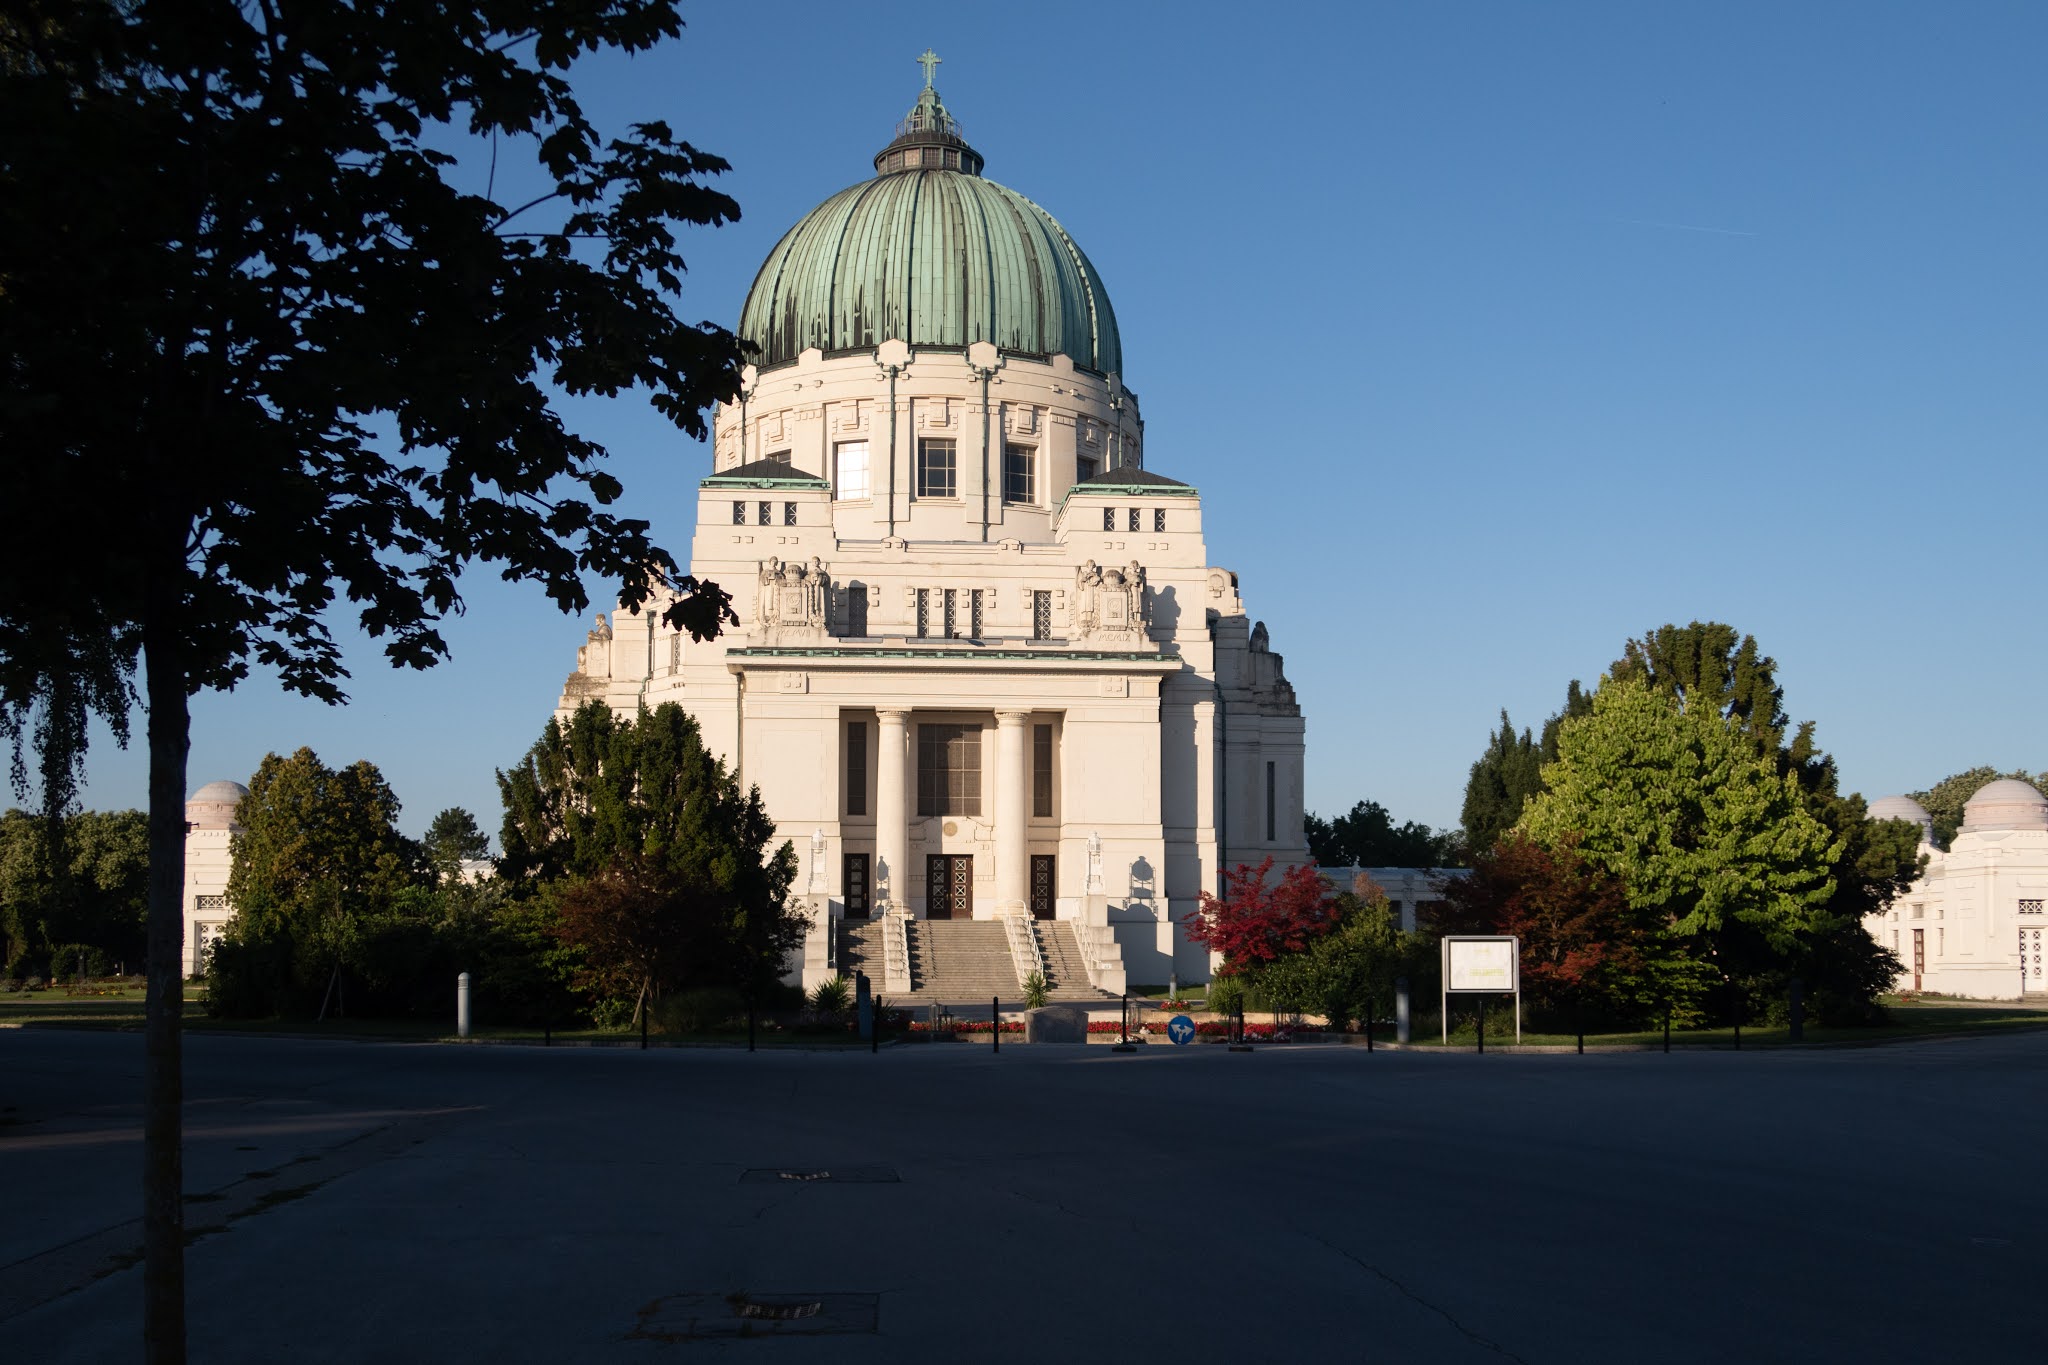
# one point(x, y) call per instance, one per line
point(1368, 1023)
point(1579, 1018)
point(1797, 1018)
point(1124, 1020)
point(995, 1022)
point(1667, 1026)
point(1482, 1023)
point(462, 1005)
point(1401, 1010)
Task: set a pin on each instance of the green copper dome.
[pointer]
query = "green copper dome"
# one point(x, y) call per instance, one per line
point(930, 253)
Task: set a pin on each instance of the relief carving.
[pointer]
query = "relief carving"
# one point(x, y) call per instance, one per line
point(1109, 606)
point(791, 606)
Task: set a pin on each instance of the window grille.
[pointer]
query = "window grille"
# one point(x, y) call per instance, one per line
point(767, 517)
point(974, 614)
point(1134, 518)
point(857, 610)
point(924, 613)
point(2030, 907)
point(856, 885)
point(1041, 771)
point(1159, 520)
point(856, 767)
point(1109, 518)
point(1041, 616)
point(935, 469)
point(789, 514)
point(221, 902)
point(739, 514)
point(948, 769)
point(1020, 481)
point(952, 614)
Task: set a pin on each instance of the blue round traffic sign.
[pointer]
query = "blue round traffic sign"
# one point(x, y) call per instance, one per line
point(1181, 1029)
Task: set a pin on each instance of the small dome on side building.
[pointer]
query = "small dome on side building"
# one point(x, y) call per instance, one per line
point(1903, 808)
point(213, 805)
point(2005, 805)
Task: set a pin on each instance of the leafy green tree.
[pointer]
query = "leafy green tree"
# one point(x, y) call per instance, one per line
point(1343, 972)
point(315, 839)
point(98, 897)
point(684, 888)
point(1710, 666)
point(1366, 836)
point(1511, 771)
point(453, 838)
point(1945, 799)
point(255, 202)
point(1699, 824)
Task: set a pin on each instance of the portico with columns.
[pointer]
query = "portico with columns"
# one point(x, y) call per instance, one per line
point(984, 668)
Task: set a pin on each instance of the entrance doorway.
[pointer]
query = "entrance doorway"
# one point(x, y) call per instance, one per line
point(949, 886)
point(2031, 978)
point(1919, 955)
point(855, 869)
point(1043, 883)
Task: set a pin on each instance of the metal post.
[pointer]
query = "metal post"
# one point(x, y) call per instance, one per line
point(1579, 1017)
point(995, 1023)
point(1798, 1011)
point(1368, 1023)
point(1667, 1026)
point(462, 1005)
point(1401, 1009)
point(1482, 1023)
point(1124, 1023)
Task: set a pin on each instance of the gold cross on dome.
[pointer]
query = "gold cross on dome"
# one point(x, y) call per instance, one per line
point(930, 62)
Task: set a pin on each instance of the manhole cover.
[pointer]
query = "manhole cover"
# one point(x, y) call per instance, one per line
point(820, 1175)
point(696, 1317)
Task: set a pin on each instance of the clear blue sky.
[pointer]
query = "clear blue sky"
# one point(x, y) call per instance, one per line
point(1493, 334)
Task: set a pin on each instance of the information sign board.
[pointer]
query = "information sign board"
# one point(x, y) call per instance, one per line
point(1481, 966)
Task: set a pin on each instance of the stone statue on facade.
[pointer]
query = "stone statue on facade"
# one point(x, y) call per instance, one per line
point(594, 659)
point(1109, 606)
point(790, 605)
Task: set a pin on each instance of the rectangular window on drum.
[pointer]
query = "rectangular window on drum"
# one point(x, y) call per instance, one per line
point(856, 767)
point(974, 614)
point(1084, 468)
point(857, 610)
point(924, 613)
point(1041, 771)
point(1041, 616)
point(850, 471)
point(780, 457)
point(952, 614)
point(935, 469)
point(1272, 795)
point(1020, 474)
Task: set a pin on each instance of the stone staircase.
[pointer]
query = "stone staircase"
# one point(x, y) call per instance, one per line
point(967, 962)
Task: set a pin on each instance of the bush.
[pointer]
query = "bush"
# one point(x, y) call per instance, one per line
point(26, 963)
point(705, 1009)
point(832, 999)
point(1226, 995)
point(1035, 990)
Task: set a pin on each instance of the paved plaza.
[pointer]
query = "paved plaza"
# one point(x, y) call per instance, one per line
point(384, 1202)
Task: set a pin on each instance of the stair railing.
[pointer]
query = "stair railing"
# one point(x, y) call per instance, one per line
point(1088, 937)
point(896, 953)
point(1025, 955)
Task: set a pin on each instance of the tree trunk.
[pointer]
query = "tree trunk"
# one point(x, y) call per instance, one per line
point(163, 1214)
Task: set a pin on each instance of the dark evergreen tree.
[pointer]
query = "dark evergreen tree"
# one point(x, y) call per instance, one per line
point(1366, 836)
point(453, 838)
point(1511, 771)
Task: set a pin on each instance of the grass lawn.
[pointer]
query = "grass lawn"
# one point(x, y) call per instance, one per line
point(123, 1010)
point(1913, 1018)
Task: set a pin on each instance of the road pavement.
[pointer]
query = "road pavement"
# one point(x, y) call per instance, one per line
point(365, 1202)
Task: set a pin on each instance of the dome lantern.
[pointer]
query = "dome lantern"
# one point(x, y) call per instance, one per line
point(929, 137)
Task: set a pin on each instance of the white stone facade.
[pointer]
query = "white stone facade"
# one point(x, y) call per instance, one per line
point(1136, 702)
point(1973, 925)
point(209, 856)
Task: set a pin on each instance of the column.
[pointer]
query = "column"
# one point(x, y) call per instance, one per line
point(1013, 791)
point(892, 812)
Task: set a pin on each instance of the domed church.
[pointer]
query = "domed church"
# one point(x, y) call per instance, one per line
point(1974, 924)
point(986, 678)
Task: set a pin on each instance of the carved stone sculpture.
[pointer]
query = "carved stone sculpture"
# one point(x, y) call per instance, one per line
point(1109, 606)
point(790, 605)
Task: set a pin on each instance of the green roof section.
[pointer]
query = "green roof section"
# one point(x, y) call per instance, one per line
point(1055, 656)
point(1128, 482)
point(765, 474)
point(934, 255)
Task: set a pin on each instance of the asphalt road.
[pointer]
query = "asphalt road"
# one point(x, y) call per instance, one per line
point(391, 1202)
